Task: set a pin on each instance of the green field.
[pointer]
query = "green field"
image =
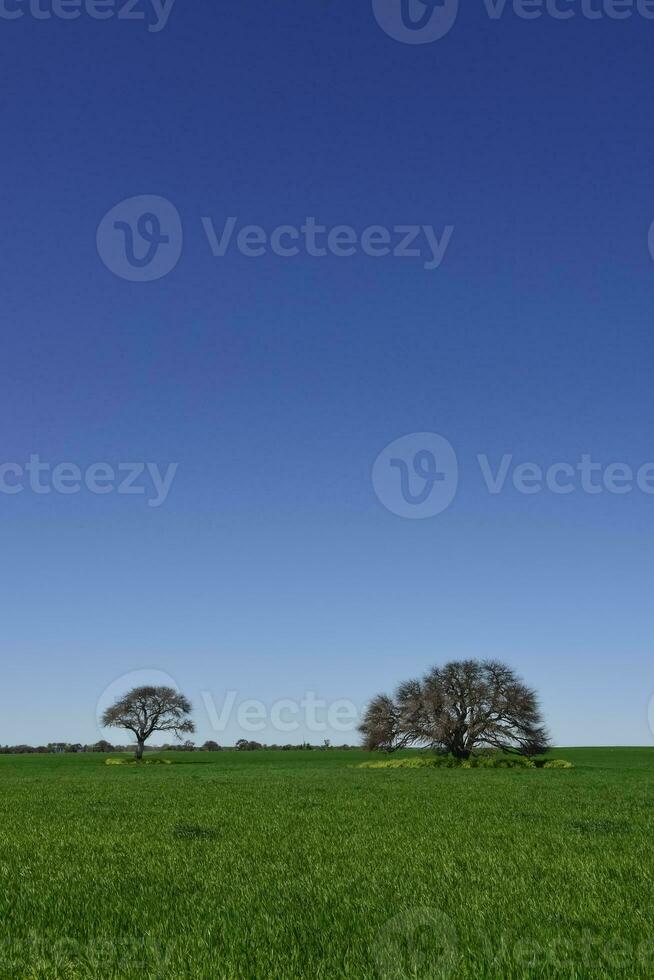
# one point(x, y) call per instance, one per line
point(299, 864)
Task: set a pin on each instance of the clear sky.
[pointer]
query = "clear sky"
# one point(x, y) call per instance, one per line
point(272, 568)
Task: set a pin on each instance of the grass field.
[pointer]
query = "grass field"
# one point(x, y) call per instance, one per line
point(299, 864)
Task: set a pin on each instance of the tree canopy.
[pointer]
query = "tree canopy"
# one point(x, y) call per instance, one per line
point(145, 710)
point(463, 706)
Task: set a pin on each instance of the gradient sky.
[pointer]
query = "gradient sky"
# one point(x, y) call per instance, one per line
point(273, 569)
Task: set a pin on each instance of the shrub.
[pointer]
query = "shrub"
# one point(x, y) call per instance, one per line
point(445, 762)
point(133, 762)
point(450, 762)
point(418, 763)
point(514, 762)
point(557, 764)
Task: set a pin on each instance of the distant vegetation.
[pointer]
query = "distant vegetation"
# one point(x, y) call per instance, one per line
point(104, 747)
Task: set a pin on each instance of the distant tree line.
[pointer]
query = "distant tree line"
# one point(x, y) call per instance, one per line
point(243, 745)
point(58, 748)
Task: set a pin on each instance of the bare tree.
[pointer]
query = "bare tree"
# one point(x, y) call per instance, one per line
point(465, 705)
point(145, 710)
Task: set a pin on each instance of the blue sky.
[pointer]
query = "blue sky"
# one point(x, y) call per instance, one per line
point(273, 568)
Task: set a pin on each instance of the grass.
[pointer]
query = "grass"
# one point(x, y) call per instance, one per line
point(301, 864)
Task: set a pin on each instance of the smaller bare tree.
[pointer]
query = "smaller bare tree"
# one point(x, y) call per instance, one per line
point(145, 710)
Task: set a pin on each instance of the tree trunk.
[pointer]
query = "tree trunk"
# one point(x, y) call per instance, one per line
point(139, 749)
point(457, 746)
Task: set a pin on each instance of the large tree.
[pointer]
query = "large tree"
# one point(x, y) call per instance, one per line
point(463, 706)
point(145, 710)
